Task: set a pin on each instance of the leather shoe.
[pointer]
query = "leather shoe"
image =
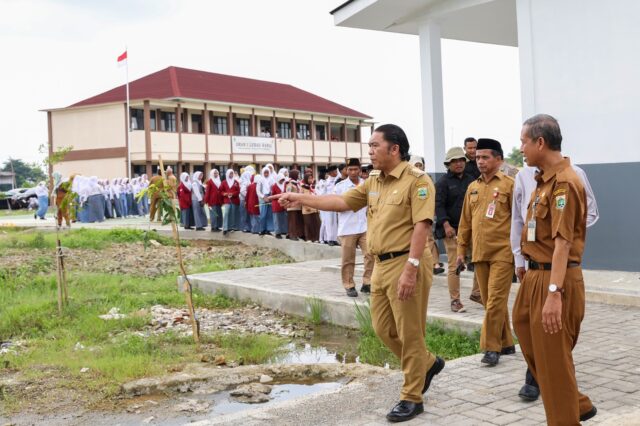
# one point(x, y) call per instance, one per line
point(351, 292)
point(509, 350)
point(491, 358)
point(366, 288)
point(529, 393)
point(589, 414)
point(405, 410)
point(435, 369)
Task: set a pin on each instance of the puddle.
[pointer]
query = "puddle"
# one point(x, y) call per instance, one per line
point(329, 344)
point(223, 403)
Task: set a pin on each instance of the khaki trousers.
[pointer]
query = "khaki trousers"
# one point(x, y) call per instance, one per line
point(453, 280)
point(549, 356)
point(349, 243)
point(494, 281)
point(401, 325)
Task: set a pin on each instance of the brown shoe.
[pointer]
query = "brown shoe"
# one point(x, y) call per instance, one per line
point(457, 306)
point(476, 298)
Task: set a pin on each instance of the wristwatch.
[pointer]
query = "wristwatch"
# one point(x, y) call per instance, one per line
point(414, 262)
point(555, 289)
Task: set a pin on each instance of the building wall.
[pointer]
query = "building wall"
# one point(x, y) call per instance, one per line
point(579, 63)
point(89, 128)
point(105, 168)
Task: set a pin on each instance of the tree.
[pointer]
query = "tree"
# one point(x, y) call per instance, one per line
point(27, 174)
point(515, 158)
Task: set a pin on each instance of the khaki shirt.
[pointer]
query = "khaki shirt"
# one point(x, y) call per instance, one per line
point(560, 211)
point(489, 237)
point(395, 203)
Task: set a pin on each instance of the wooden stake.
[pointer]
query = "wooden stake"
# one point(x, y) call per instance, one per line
point(195, 325)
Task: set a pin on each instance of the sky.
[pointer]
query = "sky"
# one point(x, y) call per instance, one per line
point(58, 52)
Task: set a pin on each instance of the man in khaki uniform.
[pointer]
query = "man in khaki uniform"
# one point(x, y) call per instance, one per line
point(550, 304)
point(485, 224)
point(400, 209)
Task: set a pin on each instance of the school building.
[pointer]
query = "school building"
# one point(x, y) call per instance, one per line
point(196, 120)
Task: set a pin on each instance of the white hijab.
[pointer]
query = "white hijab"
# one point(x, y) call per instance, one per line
point(230, 179)
point(184, 178)
point(283, 178)
point(214, 175)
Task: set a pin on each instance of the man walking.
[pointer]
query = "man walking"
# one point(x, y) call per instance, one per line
point(450, 191)
point(352, 233)
point(550, 304)
point(485, 224)
point(400, 208)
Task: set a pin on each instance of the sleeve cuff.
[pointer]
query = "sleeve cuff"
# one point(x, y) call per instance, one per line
point(520, 261)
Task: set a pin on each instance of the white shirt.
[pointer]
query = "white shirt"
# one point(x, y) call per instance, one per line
point(350, 223)
point(263, 188)
point(522, 190)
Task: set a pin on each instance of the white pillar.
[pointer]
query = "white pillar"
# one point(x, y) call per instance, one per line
point(525, 50)
point(432, 105)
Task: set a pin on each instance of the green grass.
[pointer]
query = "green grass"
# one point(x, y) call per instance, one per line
point(315, 310)
point(77, 238)
point(449, 344)
point(24, 212)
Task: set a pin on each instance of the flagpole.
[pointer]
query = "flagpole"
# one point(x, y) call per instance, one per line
point(128, 117)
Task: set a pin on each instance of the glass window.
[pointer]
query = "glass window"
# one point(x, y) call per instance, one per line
point(336, 132)
point(196, 123)
point(302, 131)
point(284, 129)
point(219, 125)
point(242, 127)
point(320, 135)
point(137, 119)
point(153, 119)
point(352, 133)
point(168, 121)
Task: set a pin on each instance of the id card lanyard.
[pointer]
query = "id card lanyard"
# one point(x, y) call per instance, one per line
point(531, 224)
point(491, 208)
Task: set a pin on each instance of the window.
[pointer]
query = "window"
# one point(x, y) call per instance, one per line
point(336, 132)
point(302, 131)
point(196, 123)
point(265, 128)
point(167, 121)
point(153, 120)
point(219, 126)
point(137, 119)
point(242, 127)
point(320, 135)
point(352, 133)
point(284, 129)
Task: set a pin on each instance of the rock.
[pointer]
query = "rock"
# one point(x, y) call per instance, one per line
point(148, 419)
point(84, 369)
point(252, 393)
point(154, 243)
point(192, 406)
point(114, 313)
point(78, 347)
point(219, 360)
point(265, 378)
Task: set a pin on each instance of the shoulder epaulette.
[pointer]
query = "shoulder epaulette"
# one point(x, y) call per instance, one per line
point(414, 171)
point(374, 173)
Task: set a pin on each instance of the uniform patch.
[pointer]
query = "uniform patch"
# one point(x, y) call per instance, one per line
point(559, 191)
point(561, 202)
point(423, 193)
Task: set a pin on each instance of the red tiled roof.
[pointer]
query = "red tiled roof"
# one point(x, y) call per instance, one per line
point(174, 82)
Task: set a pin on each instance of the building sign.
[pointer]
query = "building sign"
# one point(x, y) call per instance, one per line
point(251, 145)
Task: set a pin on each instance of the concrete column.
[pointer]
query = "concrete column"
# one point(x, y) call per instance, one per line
point(525, 51)
point(432, 104)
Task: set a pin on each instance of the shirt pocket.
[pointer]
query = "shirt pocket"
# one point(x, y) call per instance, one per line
point(542, 209)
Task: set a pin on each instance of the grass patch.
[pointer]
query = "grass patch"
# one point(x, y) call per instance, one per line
point(78, 238)
point(250, 348)
point(449, 344)
point(315, 310)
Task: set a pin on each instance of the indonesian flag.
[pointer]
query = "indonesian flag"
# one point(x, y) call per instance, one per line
point(122, 59)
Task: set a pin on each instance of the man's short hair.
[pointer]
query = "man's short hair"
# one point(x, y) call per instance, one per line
point(546, 127)
point(469, 139)
point(395, 135)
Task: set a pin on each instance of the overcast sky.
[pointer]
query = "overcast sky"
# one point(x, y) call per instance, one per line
point(58, 52)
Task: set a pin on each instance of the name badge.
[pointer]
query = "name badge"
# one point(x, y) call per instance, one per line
point(531, 230)
point(491, 210)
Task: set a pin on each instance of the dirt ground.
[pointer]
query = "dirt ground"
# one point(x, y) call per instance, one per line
point(133, 259)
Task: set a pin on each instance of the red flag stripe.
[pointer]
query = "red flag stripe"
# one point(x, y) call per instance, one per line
point(122, 57)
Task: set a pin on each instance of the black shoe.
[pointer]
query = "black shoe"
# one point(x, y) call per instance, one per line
point(351, 292)
point(405, 410)
point(215, 230)
point(589, 414)
point(491, 358)
point(470, 267)
point(435, 369)
point(199, 229)
point(529, 393)
point(509, 350)
point(188, 228)
point(438, 271)
point(279, 236)
point(225, 232)
point(366, 288)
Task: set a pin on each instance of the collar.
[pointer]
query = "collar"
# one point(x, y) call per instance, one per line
point(560, 166)
point(498, 175)
point(453, 175)
point(396, 172)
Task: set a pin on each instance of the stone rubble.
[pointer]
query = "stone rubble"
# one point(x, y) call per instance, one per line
point(251, 393)
point(192, 406)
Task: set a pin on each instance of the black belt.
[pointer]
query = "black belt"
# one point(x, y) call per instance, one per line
point(547, 266)
point(391, 255)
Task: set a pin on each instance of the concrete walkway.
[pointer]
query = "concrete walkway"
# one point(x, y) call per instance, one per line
point(465, 393)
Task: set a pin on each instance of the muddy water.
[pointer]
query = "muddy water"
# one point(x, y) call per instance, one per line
point(329, 344)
